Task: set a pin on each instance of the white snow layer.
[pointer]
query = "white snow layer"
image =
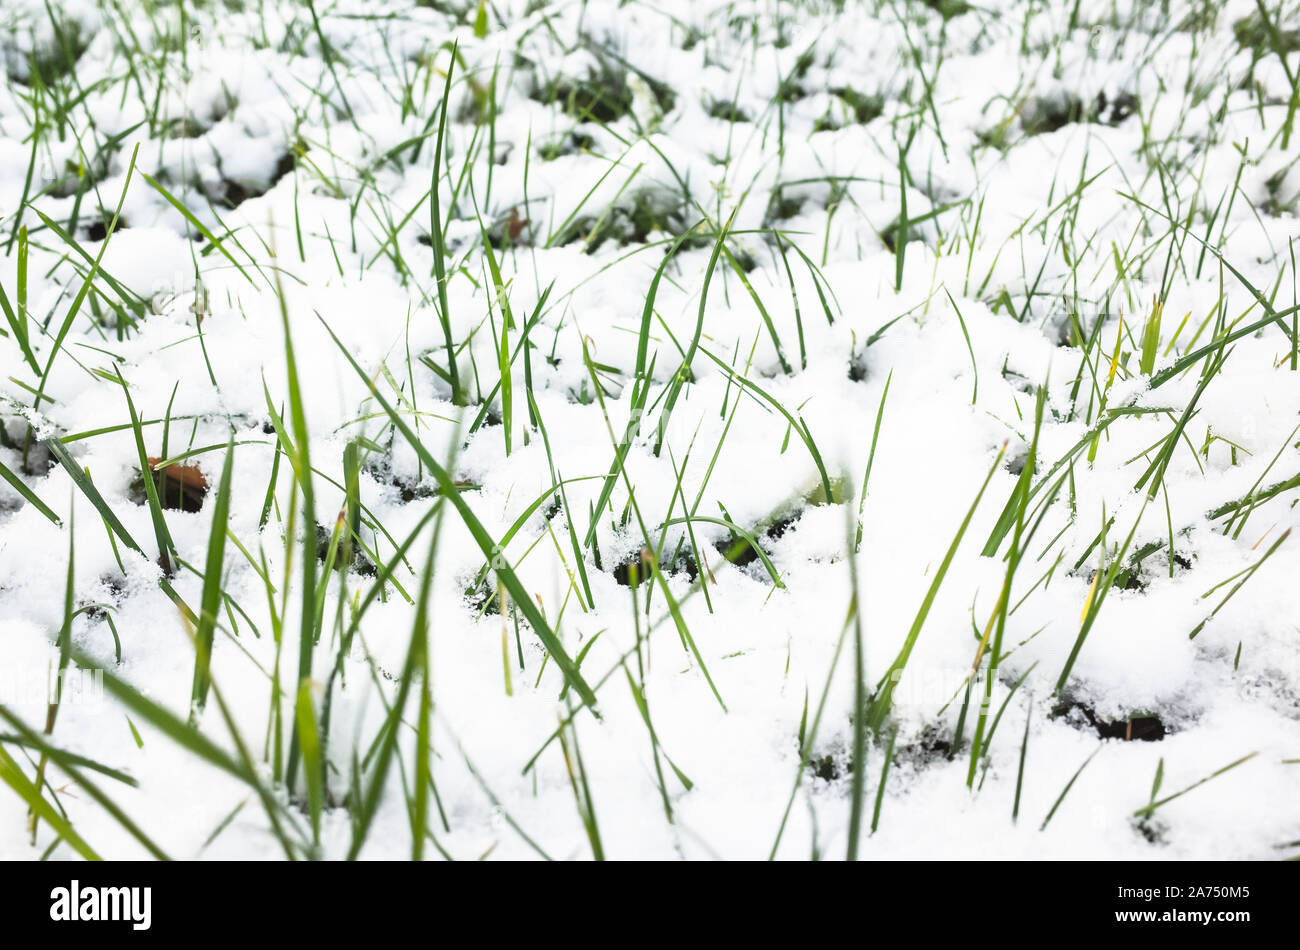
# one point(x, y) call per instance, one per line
point(1052, 142)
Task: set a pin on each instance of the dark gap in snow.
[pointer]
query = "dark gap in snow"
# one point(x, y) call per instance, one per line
point(1114, 111)
point(825, 768)
point(890, 236)
point(1065, 325)
point(570, 143)
point(858, 364)
point(1138, 726)
point(855, 106)
point(231, 193)
point(1040, 116)
point(1044, 115)
point(791, 89)
point(482, 598)
point(77, 178)
point(53, 60)
point(1152, 828)
point(648, 215)
point(1254, 34)
point(183, 127)
point(97, 230)
point(603, 97)
point(551, 508)
point(115, 585)
point(865, 106)
point(932, 745)
point(641, 561)
point(948, 8)
point(360, 563)
point(1133, 575)
point(680, 561)
point(33, 458)
point(830, 763)
point(727, 111)
point(408, 489)
point(29, 455)
point(1278, 203)
point(740, 552)
point(780, 207)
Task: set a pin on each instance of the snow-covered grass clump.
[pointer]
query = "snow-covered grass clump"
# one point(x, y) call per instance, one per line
point(589, 429)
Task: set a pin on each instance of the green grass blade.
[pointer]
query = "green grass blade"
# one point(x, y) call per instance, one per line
point(211, 598)
point(881, 703)
point(519, 596)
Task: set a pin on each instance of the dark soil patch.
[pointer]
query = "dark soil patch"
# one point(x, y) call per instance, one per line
point(360, 563)
point(727, 111)
point(1136, 727)
point(1041, 116)
point(230, 193)
point(1253, 33)
point(740, 552)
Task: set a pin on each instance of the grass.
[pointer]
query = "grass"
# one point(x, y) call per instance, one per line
point(546, 336)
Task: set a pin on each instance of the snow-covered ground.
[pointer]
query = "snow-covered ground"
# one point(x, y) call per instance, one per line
point(695, 269)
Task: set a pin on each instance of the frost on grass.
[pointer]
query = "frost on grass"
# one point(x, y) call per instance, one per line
point(431, 416)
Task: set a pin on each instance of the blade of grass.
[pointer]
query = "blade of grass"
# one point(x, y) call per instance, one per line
point(523, 602)
point(210, 600)
point(883, 699)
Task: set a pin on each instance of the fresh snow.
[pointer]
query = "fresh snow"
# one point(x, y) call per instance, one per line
point(1033, 222)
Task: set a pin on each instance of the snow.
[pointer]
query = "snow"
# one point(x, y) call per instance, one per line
point(208, 351)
